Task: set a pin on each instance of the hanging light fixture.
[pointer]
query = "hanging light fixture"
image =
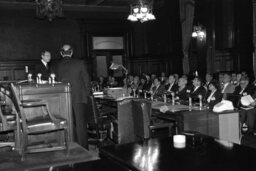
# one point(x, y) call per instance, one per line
point(198, 32)
point(141, 11)
point(49, 9)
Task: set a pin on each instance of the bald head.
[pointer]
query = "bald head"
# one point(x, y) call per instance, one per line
point(66, 51)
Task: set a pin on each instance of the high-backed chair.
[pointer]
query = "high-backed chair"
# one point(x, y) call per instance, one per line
point(99, 126)
point(123, 130)
point(144, 126)
point(8, 120)
point(39, 125)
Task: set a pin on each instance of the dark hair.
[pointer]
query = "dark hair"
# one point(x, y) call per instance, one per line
point(199, 79)
point(44, 51)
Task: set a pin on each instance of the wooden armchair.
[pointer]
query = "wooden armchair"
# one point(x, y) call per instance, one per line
point(38, 125)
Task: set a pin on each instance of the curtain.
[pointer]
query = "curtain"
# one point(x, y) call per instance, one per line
point(186, 19)
point(254, 38)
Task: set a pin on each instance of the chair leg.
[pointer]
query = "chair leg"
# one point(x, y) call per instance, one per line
point(66, 139)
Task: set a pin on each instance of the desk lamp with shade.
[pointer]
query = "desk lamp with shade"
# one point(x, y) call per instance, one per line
point(115, 66)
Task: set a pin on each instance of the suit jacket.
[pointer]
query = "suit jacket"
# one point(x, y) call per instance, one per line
point(174, 88)
point(249, 90)
point(200, 90)
point(75, 72)
point(159, 91)
point(216, 98)
point(40, 68)
point(230, 88)
point(184, 93)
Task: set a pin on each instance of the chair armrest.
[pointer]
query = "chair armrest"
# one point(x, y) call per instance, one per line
point(102, 117)
point(33, 103)
point(160, 125)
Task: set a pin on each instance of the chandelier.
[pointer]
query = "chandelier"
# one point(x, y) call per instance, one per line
point(141, 11)
point(198, 32)
point(49, 9)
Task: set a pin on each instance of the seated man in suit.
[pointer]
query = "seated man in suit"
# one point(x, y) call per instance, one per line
point(44, 67)
point(171, 86)
point(158, 89)
point(247, 113)
point(183, 90)
point(227, 86)
point(213, 96)
point(198, 89)
point(208, 80)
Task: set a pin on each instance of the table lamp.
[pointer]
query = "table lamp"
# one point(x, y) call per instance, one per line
point(115, 66)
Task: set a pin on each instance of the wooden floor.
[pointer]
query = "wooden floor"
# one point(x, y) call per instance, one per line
point(11, 160)
point(77, 159)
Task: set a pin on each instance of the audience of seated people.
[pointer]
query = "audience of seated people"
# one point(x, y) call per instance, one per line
point(213, 89)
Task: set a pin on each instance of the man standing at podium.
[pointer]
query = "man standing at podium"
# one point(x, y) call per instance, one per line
point(75, 72)
point(43, 67)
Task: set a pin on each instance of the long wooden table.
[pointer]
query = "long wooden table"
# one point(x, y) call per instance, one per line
point(205, 153)
point(224, 125)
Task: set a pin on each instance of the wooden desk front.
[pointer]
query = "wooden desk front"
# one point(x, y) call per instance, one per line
point(224, 125)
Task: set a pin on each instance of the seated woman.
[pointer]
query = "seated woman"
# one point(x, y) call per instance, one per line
point(214, 94)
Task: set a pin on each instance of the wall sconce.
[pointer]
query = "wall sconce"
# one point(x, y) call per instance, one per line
point(198, 32)
point(141, 12)
point(49, 8)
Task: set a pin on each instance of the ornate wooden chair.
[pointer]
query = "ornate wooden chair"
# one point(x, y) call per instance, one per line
point(40, 125)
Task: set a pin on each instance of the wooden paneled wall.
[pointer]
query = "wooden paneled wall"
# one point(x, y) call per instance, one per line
point(155, 65)
point(15, 70)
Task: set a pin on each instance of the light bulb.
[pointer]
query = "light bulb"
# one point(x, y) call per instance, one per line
point(201, 34)
point(136, 10)
point(132, 18)
point(194, 34)
point(151, 16)
point(144, 9)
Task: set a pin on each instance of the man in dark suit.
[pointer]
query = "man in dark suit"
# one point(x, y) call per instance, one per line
point(247, 113)
point(171, 86)
point(158, 89)
point(198, 89)
point(75, 72)
point(44, 67)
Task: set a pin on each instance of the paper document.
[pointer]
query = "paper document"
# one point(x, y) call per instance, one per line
point(247, 100)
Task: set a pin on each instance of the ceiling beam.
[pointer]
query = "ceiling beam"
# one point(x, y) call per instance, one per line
point(5, 4)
